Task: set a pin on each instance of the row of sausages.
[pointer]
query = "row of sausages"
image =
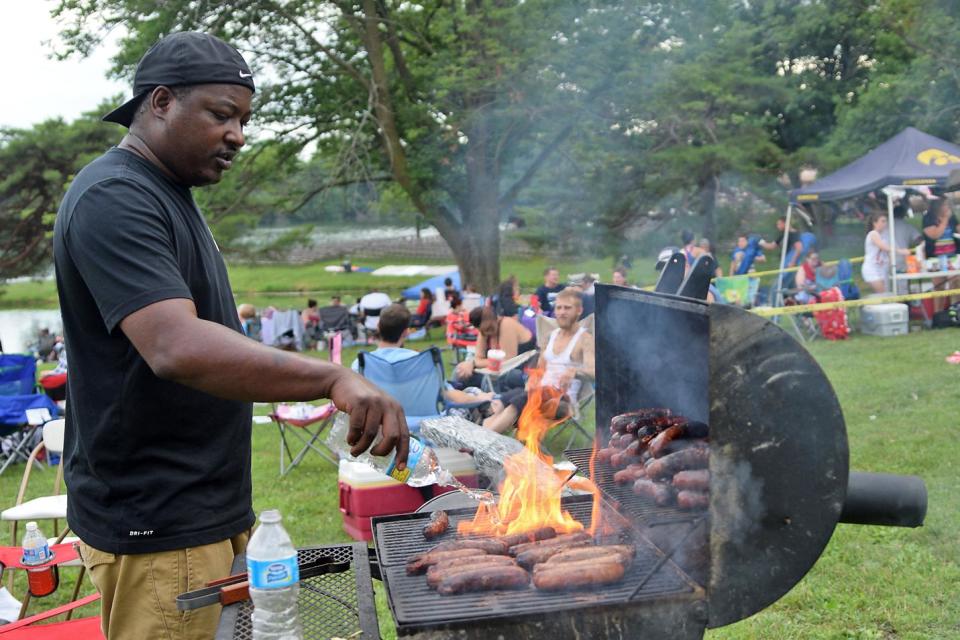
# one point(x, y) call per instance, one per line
point(552, 562)
point(664, 456)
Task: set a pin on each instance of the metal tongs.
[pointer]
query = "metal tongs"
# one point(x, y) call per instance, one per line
point(235, 588)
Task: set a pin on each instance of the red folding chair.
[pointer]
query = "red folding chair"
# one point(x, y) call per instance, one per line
point(80, 629)
point(306, 423)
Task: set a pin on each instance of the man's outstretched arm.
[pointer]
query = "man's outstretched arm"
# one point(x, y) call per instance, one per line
point(179, 346)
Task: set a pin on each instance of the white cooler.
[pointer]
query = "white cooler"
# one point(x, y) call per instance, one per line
point(885, 319)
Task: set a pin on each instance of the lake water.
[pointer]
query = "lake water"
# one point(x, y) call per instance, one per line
point(19, 327)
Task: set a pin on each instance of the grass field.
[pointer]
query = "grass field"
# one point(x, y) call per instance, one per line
point(899, 400)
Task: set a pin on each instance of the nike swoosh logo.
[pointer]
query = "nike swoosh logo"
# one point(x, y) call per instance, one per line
point(245, 75)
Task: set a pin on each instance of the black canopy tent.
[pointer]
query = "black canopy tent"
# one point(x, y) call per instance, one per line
point(909, 159)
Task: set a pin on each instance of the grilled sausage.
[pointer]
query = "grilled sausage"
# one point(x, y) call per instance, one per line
point(625, 551)
point(442, 570)
point(576, 575)
point(693, 499)
point(493, 546)
point(420, 562)
point(439, 523)
point(531, 557)
point(604, 454)
point(484, 579)
point(659, 443)
point(543, 533)
point(550, 542)
point(667, 466)
point(661, 494)
point(696, 480)
point(629, 474)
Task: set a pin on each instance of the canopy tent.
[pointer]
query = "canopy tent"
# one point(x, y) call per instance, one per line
point(434, 283)
point(911, 158)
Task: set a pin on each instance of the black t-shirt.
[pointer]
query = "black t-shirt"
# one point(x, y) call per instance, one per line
point(150, 464)
point(546, 295)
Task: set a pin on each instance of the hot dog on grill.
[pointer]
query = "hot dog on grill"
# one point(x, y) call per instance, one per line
point(493, 546)
point(573, 575)
point(543, 533)
point(629, 474)
point(693, 500)
point(420, 562)
point(578, 554)
point(439, 523)
point(661, 494)
point(561, 540)
point(659, 443)
point(692, 458)
point(695, 479)
point(484, 579)
point(536, 555)
point(442, 570)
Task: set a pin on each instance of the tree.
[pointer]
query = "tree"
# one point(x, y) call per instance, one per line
point(36, 166)
point(460, 104)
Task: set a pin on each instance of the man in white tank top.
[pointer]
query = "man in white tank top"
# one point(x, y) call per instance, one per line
point(566, 359)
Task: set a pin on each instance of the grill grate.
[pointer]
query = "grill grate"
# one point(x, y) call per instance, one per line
point(331, 605)
point(416, 606)
point(641, 508)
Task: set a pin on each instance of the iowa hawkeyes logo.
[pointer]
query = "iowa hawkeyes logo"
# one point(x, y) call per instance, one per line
point(937, 157)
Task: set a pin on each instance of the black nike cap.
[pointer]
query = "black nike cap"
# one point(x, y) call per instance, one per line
point(183, 59)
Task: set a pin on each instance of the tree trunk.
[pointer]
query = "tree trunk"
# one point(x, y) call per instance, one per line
point(708, 205)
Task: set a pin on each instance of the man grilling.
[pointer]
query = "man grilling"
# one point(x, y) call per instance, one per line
point(162, 378)
point(567, 359)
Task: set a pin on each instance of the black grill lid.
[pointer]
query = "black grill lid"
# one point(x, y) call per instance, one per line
point(779, 452)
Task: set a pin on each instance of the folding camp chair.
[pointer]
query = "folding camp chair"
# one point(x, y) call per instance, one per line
point(337, 319)
point(417, 383)
point(87, 628)
point(22, 409)
point(306, 423)
point(572, 430)
point(52, 506)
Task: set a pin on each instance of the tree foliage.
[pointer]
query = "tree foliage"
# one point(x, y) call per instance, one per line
point(590, 116)
point(36, 165)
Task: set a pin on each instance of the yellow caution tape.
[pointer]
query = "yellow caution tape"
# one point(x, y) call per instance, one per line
point(828, 306)
point(757, 274)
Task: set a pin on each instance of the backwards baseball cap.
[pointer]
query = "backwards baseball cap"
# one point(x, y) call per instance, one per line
point(183, 59)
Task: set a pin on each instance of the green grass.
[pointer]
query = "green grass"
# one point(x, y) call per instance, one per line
point(289, 286)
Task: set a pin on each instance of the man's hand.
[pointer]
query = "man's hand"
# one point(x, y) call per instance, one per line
point(371, 411)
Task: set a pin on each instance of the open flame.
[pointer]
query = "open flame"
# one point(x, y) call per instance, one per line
point(531, 490)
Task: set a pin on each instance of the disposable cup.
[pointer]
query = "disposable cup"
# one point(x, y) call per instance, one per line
point(495, 356)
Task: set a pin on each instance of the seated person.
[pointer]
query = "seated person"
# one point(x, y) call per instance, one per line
point(424, 308)
point(310, 317)
point(369, 308)
point(393, 326)
point(506, 334)
point(806, 280)
point(569, 353)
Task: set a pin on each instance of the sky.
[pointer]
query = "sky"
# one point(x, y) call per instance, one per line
point(37, 87)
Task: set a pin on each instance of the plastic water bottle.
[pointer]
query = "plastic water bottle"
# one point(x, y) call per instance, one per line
point(422, 468)
point(274, 577)
point(35, 548)
point(42, 581)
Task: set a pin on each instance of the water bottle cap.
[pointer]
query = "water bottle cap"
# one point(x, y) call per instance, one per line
point(31, 526)
point(270, 516)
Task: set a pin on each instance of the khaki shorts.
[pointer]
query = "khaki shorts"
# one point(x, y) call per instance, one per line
point(139, 591)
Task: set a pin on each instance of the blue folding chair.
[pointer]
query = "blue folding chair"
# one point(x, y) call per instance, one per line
point(18, 393)
point(417, 383)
